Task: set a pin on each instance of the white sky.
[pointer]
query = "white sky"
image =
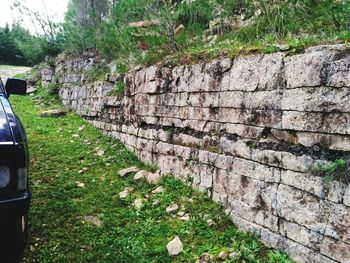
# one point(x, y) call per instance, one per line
point(55, 9)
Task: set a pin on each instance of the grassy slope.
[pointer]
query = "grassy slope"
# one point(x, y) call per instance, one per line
point(57, 232)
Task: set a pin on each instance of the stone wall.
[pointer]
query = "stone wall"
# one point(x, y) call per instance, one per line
point(248, 131)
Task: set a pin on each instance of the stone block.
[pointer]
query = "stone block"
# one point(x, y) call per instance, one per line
point(316, 122)
point(304, 181)
point(336, 191)
point(302, 208)
point(256, 72)
point(306, 70)
point(338, 226)
point(301, 234)
point(336, 250)
point(338, 73)
point(322, 99)
point(332, 142)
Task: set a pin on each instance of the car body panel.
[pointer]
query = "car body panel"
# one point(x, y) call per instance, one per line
point(14, 201)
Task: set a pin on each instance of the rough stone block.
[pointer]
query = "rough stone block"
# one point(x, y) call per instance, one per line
point(316, 122)
point(338, 73)
point(302, 208)
point(256, 72)
point(304, 181)
point(322, 99)
point(300, 234)
point(305, 70)
point(338, 226)
point(336, 250)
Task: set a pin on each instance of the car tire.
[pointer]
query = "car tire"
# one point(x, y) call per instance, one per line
point(15, 236)
point(20, 233)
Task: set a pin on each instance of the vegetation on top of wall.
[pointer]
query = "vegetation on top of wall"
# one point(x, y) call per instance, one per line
point(187, 31)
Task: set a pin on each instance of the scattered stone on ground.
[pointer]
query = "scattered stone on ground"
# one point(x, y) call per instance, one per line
point(81, 128)
point(185, 217)
point(83, 170)
point(138, 203)
point(155, 203)
point(232, 254)
point(223, 255)
point(181, 213)
point(282, 47)
point(31, 90)
point(158, 190)
point(210, 222)
point(125, 193)
point(53, 113)
point(153, 178)
point(128, 171)
point(172, 208)
point(94, 220)
point(75, 136)
point(206, 258)
point(79, 184)
point(144, 23)
point(140, 175)
point(174, 247)
point(179, 29)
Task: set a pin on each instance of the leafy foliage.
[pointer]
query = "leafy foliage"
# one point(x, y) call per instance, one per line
point(182, 30)
point(301, 22)
point(337, 170)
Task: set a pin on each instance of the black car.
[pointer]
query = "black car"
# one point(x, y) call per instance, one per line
point(14, 190)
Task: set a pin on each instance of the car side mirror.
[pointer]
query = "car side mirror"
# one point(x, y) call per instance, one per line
point(16, 86)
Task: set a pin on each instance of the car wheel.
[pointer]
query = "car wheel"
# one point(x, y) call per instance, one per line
point(21, 232)
point(15, 235)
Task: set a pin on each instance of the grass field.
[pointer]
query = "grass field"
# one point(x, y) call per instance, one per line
point(75, 187)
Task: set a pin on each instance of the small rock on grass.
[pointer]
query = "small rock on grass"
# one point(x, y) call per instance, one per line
point(140, 175)
point(138, 203)
point(94, 220)
point(153, 178)
point(222, 255)
point(175, 247)
point(128, 171)
point(125, 193)
point(80, 184)
point(185, 217)
point(172, 208)
point(53, 113)
point(181, 213)
point(206, 258)
point(155, 203)
point(158, 190)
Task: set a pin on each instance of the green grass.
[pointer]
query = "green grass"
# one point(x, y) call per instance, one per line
point(61, 161)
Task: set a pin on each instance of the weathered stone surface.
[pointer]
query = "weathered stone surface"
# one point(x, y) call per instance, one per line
point(301, 234)
point(302, 208)
point(256, 72)
point(304, 181)
point(338, 223)
point(128, 171)
point(94, 220)
point(305, 70)
point(322, 99)
point(53, 113)
point(338, 73)
point(336, 250)
point(174, 247)
point(247, 131)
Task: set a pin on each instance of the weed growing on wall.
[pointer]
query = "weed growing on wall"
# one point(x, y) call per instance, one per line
point(337, 170)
